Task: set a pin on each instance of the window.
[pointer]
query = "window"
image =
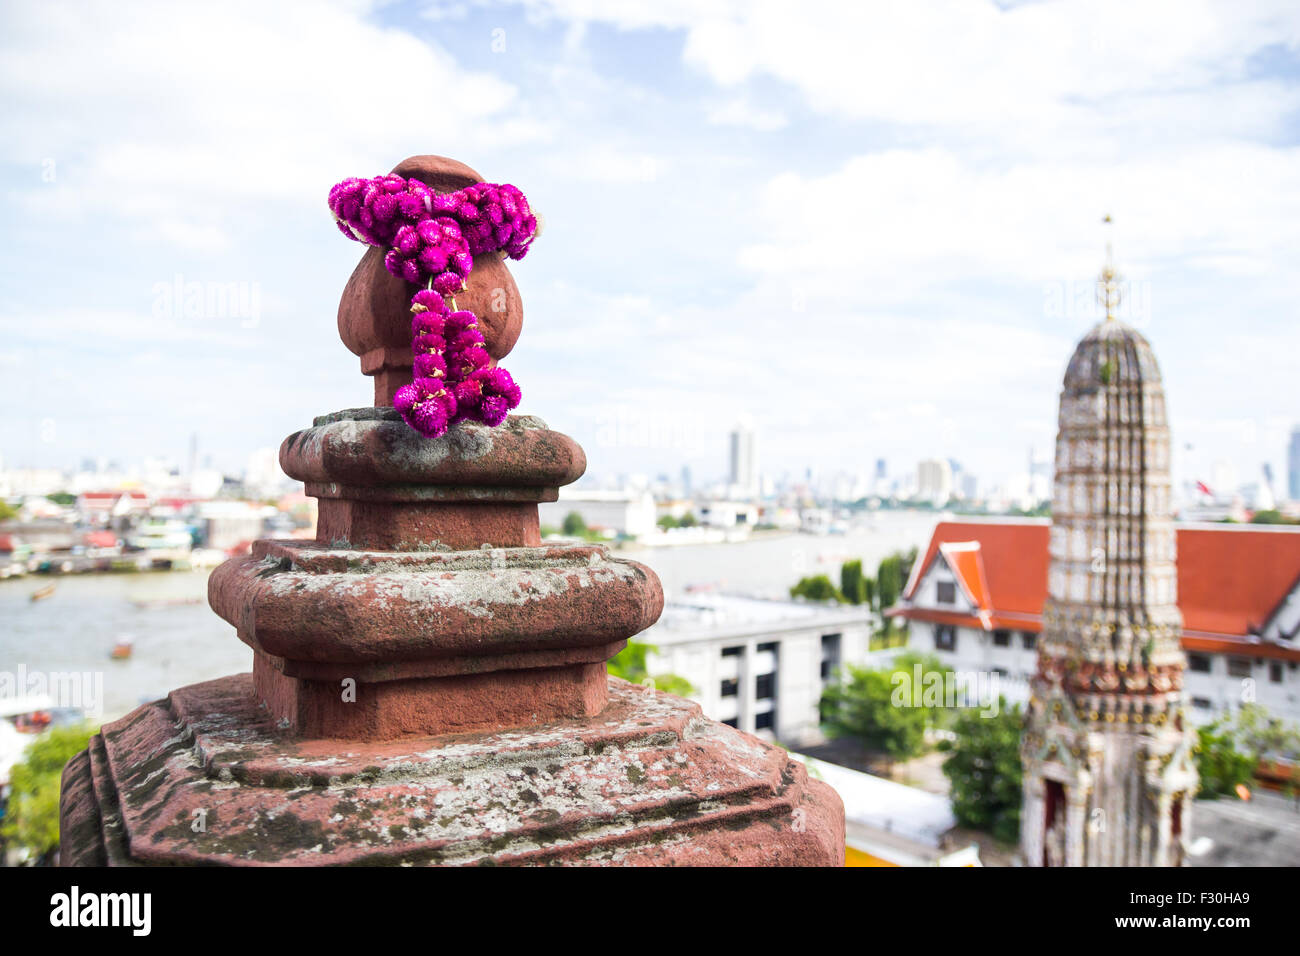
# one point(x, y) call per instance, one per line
point(830, 655)
point(765, 720)
point(945, 637)
point(1238, 667)
point(946, 592)
point(732, 651)
point(1202, 703)
point(1028, 640)
point(730, 687)
point(768, 648)
point(1200, 663)
point(731, 722)
point(765, 686)
point(1275, 671)
point(1001, 638)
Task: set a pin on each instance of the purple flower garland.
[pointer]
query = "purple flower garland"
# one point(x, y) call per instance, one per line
point(435, 237)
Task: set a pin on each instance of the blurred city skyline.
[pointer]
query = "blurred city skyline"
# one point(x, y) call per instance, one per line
point(876, 241)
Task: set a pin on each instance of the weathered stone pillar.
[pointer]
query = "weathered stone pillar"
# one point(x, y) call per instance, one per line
point(1185, 803)
point(1076, 816)
point(429, 679)
point(1164, 829)
point(1031, 820)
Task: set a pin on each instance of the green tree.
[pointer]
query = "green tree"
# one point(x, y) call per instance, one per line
point(573, 525)
point(853, 583)
point(1264, 736)
point(906, 561)
point(7, 510)
point(32, 817)
point(983, 767)
point(687, 521)
point(667, 522)
point(1229, 751)
point(1270, 516)
point(817, 588)
point(631, 664)
point(861, 709)
point(885, 709)
point(1219, 764)
point(889, 581)
point(62, 498)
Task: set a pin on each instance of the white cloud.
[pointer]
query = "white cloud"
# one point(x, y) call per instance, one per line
point(740, 112)
point(166, 112)
point(973, 66)
point(900, 220)
point(609, 164)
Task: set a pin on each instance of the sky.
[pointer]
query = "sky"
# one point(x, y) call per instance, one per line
point(872, 228)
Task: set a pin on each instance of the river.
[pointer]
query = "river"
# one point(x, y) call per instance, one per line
point(178, 640)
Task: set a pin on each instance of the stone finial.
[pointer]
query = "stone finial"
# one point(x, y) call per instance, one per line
point(374, 312)
point(429, 679)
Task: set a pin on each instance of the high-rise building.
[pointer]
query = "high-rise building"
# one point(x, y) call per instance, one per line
point(1293, 466)
point(1107, 752)
point(934, 480)
point(1263, 498)
point(744, 459)
point(968, 487)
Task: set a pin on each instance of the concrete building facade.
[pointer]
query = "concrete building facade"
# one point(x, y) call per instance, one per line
point(759, 665)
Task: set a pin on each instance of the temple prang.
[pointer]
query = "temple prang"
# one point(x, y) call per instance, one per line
point(429, 681)
point(1109, 778)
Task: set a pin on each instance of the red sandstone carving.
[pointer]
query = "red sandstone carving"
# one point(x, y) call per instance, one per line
point(650, 782)
point(429, 680)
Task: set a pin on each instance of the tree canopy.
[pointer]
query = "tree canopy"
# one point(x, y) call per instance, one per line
point(818, 587)
point(32, 817)
point(856, 587)
point(631, 664)
point(1229, 750)
point(983, 768)
point(884, 708)
point(574, 525)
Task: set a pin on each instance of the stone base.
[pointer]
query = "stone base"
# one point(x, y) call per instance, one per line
point(404, 526)
point(394, 708)
point(384, 487)
point(373, 645)
point(204, 777)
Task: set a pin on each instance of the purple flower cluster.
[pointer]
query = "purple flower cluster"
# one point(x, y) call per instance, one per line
point(454, 378)
point(436, 236)
point(433, 234)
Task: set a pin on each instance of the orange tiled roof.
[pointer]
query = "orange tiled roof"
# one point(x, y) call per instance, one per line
point(1230, 579)
point(964, 558)
point(1014, 556)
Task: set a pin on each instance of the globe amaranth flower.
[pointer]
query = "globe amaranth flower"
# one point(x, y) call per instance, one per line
point(431, 239)
point(430, 365)
point(427, 405)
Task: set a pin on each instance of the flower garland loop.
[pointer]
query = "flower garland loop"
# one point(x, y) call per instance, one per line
point(432, 238)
